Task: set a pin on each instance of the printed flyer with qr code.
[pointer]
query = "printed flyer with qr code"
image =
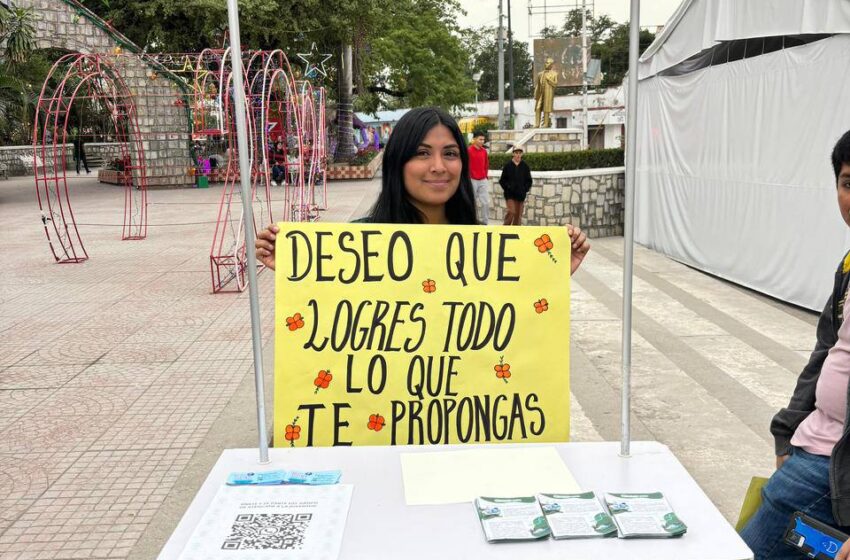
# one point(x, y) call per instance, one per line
point(264, 522)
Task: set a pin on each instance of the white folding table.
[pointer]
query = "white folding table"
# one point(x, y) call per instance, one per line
point(381, 525)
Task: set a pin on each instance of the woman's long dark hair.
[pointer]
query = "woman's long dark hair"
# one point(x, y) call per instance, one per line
point(393, 205)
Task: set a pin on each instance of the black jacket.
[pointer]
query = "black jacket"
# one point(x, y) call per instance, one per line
point(516, 180)
point(802, 403)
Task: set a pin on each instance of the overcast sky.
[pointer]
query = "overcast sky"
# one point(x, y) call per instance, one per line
point(486, 12)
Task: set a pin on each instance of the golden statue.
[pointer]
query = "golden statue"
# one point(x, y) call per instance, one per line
point(544, 95)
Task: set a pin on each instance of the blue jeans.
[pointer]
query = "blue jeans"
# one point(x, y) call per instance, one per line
point(802, 484)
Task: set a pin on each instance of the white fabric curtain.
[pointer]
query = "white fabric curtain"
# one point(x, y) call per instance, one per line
point(734, 174)
point(700, 24)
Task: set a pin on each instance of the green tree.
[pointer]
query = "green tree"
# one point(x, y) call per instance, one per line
point(484, 55)
point(19, 69)
point(613, 53)
point(405, 52)
point(598, 27)
point(420, 57)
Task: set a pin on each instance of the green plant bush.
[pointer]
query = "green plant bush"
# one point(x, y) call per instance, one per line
point(563, 161)
point(364, 156)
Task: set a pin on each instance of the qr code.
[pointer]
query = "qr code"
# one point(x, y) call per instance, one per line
point(268, 531)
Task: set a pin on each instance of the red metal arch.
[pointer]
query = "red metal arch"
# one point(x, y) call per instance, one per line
point(84, 76)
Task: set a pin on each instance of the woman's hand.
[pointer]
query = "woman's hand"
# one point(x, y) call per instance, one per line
point(844, 553)
point(580, 247)
point(780, 460)
point(265, 245)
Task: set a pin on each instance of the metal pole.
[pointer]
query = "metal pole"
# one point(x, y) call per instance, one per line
point(248, 219)
point(584, 141)
point(501, 42)
point(511, 63)
point(629, 227)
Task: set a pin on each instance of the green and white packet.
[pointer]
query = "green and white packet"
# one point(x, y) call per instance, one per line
point(644, 516)
point(511, 519)
point(576, 516)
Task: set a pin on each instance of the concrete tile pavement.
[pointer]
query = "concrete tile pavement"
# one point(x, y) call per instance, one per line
point(121, 379)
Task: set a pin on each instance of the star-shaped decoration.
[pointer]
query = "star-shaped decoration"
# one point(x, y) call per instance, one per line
point(311, 68)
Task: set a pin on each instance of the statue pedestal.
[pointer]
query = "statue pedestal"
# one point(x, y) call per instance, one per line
point(534, 140)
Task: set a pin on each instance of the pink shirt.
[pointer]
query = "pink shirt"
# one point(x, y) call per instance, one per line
point(822, 429)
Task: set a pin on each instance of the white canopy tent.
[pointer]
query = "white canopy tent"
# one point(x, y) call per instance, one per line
point(740, 104)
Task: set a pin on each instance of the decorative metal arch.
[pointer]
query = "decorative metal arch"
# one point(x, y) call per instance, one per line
point(270, 90)
point(81, 77)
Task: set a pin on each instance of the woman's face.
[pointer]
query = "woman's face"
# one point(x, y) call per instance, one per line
point(432, 175)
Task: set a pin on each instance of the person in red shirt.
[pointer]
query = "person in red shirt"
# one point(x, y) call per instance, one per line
point(479, 163)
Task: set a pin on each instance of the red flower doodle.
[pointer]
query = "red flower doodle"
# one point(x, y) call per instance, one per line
point(376, 422)
point(541, 305)
point(293, 432)
point(322, 380)
point(544, 245)
point(503, 370)
point(295, 322)
point(429, 286)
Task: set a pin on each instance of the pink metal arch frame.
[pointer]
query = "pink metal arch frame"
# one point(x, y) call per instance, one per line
point(82, 77)
point(271, 92)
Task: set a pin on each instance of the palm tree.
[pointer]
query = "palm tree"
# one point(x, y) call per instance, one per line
point(345, 149)
point(17, 30)
point(17, 37)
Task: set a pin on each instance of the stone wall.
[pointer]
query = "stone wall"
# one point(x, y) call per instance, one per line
point(534, 140)
point(19, 159)
point(589, 198)
point(164, 124)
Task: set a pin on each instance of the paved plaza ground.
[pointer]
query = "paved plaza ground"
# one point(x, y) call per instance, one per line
point(123, 378)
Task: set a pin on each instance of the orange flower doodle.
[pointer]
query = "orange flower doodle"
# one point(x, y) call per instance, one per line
point(293, 432)
point(323, 380)
point(544, 244)
point(503, 370)
point(376, 422)
point(429, 286)
point(541, 305)
point(295, 322)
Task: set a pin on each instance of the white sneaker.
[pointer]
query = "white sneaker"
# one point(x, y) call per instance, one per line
point(274, 183)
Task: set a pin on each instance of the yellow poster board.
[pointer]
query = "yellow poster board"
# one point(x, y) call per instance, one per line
point(421, 334)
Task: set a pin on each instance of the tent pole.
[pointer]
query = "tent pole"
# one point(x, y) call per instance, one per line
point(248, 220)
point(629, 226)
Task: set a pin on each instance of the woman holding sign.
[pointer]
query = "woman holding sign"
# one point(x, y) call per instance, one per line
point(425, 181)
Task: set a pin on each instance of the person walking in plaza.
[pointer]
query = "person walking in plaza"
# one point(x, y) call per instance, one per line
point(425, 180)
point(516, 182)
point(811, 434)
point(79, 150)
point(479, 165)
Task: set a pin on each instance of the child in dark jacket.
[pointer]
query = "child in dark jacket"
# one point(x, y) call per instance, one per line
point(515, 182)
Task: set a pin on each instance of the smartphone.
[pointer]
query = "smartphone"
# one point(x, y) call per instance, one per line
point(813, 538)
